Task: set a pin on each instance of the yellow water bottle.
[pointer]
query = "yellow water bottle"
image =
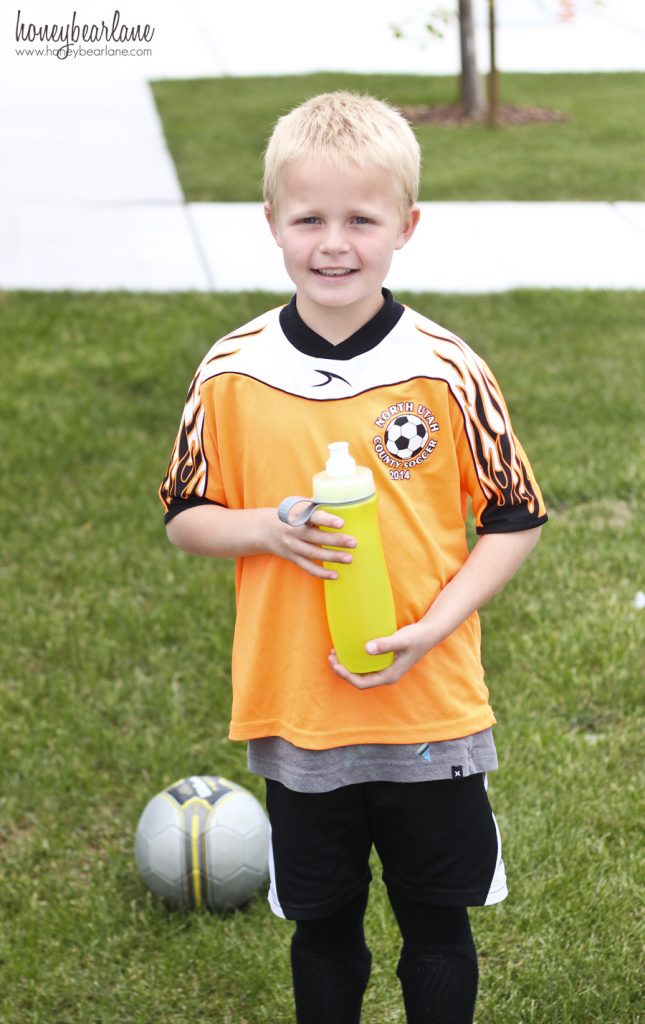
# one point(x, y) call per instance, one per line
point(360, 605)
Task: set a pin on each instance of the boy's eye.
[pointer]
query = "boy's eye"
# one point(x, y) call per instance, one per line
point(309, 220)
point(361, 220)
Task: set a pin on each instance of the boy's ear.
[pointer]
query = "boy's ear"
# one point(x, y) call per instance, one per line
point(269, 216)
point(409, 225)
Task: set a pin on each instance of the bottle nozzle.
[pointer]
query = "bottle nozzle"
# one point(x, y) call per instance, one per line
point(340, 462)
point(342, 480)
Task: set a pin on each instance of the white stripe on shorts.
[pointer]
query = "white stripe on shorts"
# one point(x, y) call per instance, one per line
point(498, 889)
point(272, 897)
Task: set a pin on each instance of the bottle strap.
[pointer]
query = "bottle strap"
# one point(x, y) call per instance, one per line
point(287, 504)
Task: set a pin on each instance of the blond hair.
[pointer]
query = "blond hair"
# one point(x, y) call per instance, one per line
point(345, 128)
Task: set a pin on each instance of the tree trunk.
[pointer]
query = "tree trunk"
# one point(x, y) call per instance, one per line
point(493, 78)
point(472, 91)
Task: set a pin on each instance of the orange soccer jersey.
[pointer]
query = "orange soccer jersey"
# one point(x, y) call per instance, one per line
point(264, 404)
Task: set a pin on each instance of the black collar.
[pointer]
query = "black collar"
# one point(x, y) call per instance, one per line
point(365, 338)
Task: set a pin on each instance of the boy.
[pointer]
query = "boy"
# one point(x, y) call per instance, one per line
point(397, 758)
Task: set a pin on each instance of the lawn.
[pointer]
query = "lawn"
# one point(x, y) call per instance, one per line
point(217, 129)
point(114, 672)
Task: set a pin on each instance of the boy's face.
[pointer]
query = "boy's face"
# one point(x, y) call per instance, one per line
point(338, 230)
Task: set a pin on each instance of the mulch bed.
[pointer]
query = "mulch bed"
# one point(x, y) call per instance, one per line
point(453, 115)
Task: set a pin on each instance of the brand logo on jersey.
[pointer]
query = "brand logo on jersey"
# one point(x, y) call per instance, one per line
point(407, 438)
point(329, 377)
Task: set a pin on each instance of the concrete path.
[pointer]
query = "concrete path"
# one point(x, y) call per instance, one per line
point(89, 197)
point(458, 247)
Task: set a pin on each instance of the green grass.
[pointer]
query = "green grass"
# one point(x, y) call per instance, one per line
point(217, 129)
point(115, 672)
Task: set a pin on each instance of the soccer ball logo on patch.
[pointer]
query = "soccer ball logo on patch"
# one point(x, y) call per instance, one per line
point(406, 436)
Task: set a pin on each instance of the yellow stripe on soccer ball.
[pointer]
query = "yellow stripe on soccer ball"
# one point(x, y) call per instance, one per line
point(197, 885)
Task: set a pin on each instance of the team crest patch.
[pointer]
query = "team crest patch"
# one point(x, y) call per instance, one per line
point(407, 437)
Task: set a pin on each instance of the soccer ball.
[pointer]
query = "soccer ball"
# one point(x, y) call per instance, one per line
point(405, 436)
point(203, 842)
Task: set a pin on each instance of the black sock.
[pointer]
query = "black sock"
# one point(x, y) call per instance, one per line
point(439, 984)
point(438, 966)
point(330, 965)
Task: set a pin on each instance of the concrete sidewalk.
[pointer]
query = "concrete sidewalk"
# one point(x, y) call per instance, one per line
point(90, 200)
point(458, 247)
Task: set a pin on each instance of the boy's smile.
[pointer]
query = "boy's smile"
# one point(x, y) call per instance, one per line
point(338, 230)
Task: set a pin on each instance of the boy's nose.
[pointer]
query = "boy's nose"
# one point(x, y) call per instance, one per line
point(334, 240)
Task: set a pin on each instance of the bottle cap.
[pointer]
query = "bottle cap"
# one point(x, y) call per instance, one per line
point(340, 462)
point(342, 481)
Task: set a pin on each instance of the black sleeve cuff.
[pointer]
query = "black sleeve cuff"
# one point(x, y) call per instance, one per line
point(517, 524)
point(178, 505)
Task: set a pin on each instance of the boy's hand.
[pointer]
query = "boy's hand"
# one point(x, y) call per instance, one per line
point(409, 644)
point(303, 545)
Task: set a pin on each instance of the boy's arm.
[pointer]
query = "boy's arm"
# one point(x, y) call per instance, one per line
point(495, 558)
point(219, 532)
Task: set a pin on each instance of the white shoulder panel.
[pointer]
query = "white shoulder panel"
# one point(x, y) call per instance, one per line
point(415, 348)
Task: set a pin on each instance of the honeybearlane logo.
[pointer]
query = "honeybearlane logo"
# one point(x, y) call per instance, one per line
point(68, 34)
point(407, 440)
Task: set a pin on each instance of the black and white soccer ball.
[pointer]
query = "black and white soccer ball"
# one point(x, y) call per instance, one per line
point(406, 436)
point(203, 842)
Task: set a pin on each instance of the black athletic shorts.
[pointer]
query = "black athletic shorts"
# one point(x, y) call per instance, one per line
point(438, 843)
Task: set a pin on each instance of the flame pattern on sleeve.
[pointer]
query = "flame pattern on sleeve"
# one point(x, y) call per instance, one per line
point(503, 472)
point(186, 476)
